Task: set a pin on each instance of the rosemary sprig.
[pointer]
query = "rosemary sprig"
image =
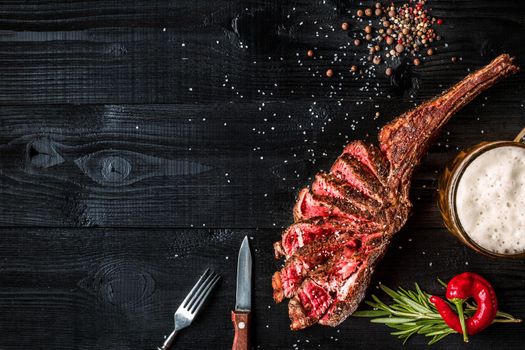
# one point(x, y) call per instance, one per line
point(411, 312)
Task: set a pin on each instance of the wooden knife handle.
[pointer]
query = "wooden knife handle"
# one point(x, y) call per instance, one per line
point(241, 323)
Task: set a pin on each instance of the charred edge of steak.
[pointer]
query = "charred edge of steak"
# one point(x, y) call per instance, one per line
point(308, 259)
point(302, 233)
point(308, 306)
point(371, 156)
point(329, 185)
point(349, 169)
point(344, 306)
point(406, 138)
point(329, 280)
point(310, 205)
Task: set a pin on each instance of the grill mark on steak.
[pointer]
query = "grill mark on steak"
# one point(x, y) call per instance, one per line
point(307, 259)
point(333, 278)
point(310, 205)
point(305, 232)
point(326, 297)
point(328, 185)
point(370, 156)
point(349, 169)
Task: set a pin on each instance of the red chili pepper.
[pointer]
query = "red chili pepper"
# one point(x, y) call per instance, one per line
point(459, 289)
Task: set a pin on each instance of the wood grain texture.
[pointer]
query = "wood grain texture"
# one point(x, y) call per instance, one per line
point(118, 289)
point(178, 52)
point(125, 126)
point(218, 166)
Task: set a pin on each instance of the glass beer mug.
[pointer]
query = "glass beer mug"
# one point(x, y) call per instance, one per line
point(448, 189)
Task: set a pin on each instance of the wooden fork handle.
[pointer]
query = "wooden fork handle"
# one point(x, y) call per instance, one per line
point(241, 323)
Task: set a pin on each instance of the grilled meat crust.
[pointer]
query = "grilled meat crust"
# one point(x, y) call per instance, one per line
point(364, 196)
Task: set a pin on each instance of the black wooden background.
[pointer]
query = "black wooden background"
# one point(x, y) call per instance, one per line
point(141, 140)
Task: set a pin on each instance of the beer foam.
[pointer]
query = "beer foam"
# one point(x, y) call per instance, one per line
point(490, 200)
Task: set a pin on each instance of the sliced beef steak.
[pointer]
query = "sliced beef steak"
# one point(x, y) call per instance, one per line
point(332, 280)
point(310, 258)
point(371, 156)
point(329, 185)
point(351, 170)
point(363, 199)
point(303, 233)
point(310, 205)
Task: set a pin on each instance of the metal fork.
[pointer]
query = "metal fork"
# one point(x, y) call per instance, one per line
point(192, 304)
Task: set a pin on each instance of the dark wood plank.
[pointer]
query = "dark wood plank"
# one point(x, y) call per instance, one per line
point(177, 52)
point(117, 289)
point(192, 165)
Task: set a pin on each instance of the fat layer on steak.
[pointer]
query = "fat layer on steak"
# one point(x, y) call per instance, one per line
point(344, 223)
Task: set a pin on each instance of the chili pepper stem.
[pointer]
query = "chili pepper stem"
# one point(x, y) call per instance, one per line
point(459, 307)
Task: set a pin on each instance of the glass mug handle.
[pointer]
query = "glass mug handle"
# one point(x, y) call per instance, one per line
point(521, 136)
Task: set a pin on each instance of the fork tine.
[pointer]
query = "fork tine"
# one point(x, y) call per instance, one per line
point(198, 292)
point(192, 291)
point(206, 293)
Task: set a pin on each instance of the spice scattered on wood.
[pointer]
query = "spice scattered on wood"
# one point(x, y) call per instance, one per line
point(400, 30)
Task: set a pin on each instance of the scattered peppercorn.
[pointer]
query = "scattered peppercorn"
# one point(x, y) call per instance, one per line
point(310, 53)
point(329, 73)
point(388, 71)
point(344, 26)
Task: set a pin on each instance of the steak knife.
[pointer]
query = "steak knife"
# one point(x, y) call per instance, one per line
point(243, 303)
